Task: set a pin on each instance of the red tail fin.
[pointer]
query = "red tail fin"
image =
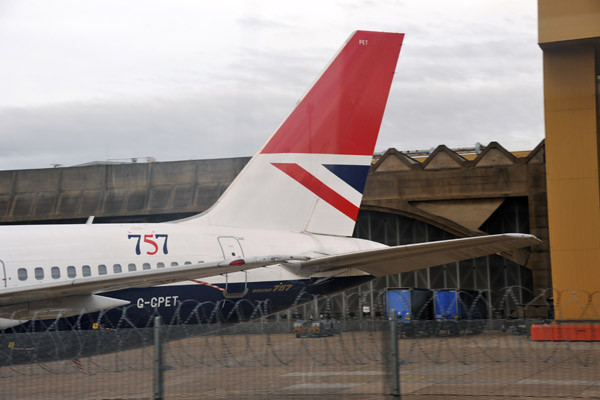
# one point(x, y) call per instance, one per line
point(311, 174)
point(327, 120)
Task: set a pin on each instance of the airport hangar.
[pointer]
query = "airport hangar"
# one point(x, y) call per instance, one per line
point(406, 200)
point(409, 197)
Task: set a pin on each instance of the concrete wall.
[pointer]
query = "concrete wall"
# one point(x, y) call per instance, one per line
point(116, 190)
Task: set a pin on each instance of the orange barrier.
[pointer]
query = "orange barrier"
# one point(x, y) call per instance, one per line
point(566, 332)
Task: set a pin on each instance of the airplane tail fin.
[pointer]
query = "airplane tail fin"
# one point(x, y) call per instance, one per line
point(310, 175)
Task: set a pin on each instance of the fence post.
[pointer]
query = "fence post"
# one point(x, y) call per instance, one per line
point(395, 356)
point(158, 361)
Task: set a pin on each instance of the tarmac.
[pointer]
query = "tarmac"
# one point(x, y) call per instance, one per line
point(488, 366)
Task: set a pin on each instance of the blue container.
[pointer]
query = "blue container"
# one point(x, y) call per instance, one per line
point(454, 304)
point(410, 304)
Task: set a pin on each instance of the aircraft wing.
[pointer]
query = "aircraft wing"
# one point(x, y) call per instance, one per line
point(144, 278)
point(411, 257)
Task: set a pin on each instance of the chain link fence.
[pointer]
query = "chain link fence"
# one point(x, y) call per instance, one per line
point(279, 357)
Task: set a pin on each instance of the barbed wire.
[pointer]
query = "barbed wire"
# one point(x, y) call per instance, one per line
point(513, 301)
point(52, 345)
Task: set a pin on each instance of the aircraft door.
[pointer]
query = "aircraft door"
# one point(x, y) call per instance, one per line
point(232, 249)
point(3, 274)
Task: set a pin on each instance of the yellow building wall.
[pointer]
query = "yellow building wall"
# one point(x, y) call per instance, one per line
point(561, 20)
point(573, 182)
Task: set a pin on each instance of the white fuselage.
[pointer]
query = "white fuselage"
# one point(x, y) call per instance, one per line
point(31, 255)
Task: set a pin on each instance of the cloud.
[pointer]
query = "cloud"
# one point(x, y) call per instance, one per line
point(188, 80)
point(225, 123)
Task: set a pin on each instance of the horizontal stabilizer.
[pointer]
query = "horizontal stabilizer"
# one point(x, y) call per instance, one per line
point(6, 323)
point(411, 257)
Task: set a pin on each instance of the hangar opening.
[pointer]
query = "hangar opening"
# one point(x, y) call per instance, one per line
point(493, 274)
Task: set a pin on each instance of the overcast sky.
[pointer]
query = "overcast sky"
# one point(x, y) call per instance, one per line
point(84, 81)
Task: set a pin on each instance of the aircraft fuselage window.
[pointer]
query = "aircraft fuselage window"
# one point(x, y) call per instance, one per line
point(22, 274)
point(160, 265)
point(131, 267)
point(174, 264)
point(86, 270)
point(117, 268)
point(55, 272)
point(39, 273)
point(101, 269)
point(71, 273)
point(145, 266)
point(188, 263)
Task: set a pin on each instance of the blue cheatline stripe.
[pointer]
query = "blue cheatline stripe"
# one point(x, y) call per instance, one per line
point(353, 175)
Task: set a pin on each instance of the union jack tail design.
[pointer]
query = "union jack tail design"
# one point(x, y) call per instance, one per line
point(311, 173)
